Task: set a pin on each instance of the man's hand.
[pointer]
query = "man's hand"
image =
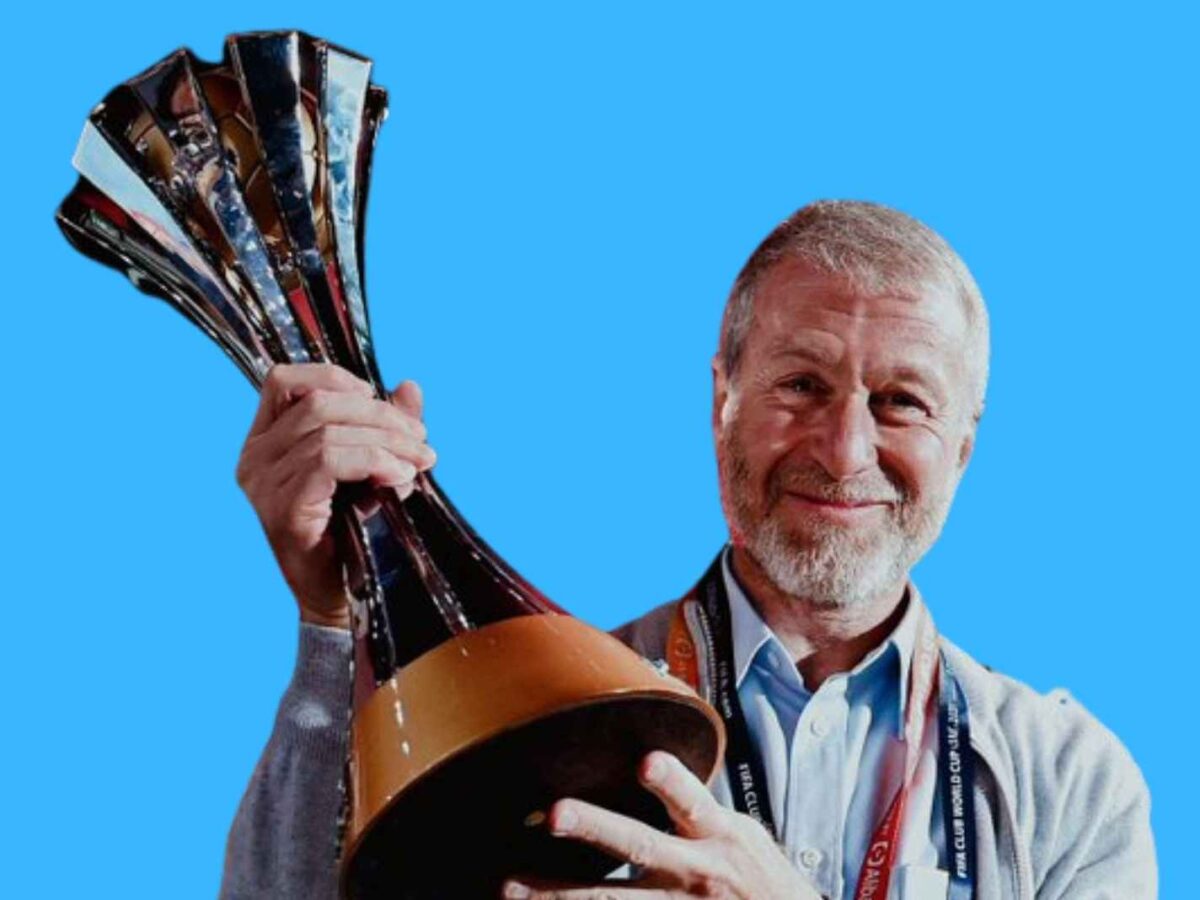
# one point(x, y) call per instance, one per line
point(318, 425)
point(717, 852)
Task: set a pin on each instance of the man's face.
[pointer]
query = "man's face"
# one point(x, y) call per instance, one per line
point(843, 433)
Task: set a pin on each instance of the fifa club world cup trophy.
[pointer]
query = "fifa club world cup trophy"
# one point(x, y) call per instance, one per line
point(236, 192)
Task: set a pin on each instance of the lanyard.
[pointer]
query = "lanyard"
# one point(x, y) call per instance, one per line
point(931, 679)
point(956, 770)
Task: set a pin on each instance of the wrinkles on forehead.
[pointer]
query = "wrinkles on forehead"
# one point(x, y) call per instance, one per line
point(791, 284)
point(827, 346)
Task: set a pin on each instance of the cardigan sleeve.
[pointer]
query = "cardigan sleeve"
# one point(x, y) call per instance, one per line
point(283, 839)
point(1097, 841)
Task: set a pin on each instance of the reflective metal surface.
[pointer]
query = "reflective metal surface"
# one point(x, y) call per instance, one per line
point(237, 193)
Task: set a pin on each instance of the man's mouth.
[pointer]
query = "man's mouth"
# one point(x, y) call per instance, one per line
point(842, 510)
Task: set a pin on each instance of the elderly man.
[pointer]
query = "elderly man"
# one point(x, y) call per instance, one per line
point(867, 757)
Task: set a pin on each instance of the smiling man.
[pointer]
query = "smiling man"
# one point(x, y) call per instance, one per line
point(867, 756)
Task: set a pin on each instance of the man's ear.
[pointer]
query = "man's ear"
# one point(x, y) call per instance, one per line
point(966, 448)
point(720, 395)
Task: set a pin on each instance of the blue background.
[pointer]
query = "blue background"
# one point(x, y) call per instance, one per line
point(561, 199)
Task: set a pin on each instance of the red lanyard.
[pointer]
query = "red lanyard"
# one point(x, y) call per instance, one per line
point(880, 861)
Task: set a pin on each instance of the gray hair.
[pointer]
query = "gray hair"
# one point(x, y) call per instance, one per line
point(878, 249)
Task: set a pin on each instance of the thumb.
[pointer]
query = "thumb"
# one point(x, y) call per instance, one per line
point(408, 396)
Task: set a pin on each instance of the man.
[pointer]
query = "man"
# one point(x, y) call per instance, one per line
point(870, 758)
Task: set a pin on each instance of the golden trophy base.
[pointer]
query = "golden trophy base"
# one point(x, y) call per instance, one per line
point(459, 756)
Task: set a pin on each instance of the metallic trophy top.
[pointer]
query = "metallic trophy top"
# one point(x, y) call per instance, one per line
point(236, 191)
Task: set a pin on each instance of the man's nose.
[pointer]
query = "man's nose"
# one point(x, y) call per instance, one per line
point(845, 441)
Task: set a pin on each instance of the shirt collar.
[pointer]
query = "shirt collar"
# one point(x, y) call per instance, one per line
point(751, 633)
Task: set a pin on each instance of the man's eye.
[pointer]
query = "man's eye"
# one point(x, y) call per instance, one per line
point(804, 384)
point(901, 401)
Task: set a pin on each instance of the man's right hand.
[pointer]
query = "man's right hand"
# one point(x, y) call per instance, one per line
point(318, 425)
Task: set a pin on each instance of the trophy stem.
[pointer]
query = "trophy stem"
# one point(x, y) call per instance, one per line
point(360, 503)
point(431, 576)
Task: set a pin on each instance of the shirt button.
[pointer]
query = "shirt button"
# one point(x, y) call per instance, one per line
point(810, 858)
point(819, 726)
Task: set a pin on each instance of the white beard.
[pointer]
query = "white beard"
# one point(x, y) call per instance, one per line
point(835, 571)
point(828, 565)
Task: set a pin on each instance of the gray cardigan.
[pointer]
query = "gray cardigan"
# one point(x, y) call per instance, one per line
point(1062, 811)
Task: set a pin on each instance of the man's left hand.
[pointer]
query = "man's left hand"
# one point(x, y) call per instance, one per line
point(716, 852)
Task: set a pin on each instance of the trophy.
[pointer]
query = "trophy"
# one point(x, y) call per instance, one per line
point(236, 192)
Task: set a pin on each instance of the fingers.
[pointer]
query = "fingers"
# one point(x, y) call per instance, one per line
point(535, 889)
point(690, 804)
point(318, 424)
point(625, 838)
point(717, 853)
point(336, 453)
point(409, 397)
point(321, 408)
point(285, 383)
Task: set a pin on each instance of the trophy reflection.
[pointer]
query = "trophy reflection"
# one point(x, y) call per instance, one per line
point(235, 191)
